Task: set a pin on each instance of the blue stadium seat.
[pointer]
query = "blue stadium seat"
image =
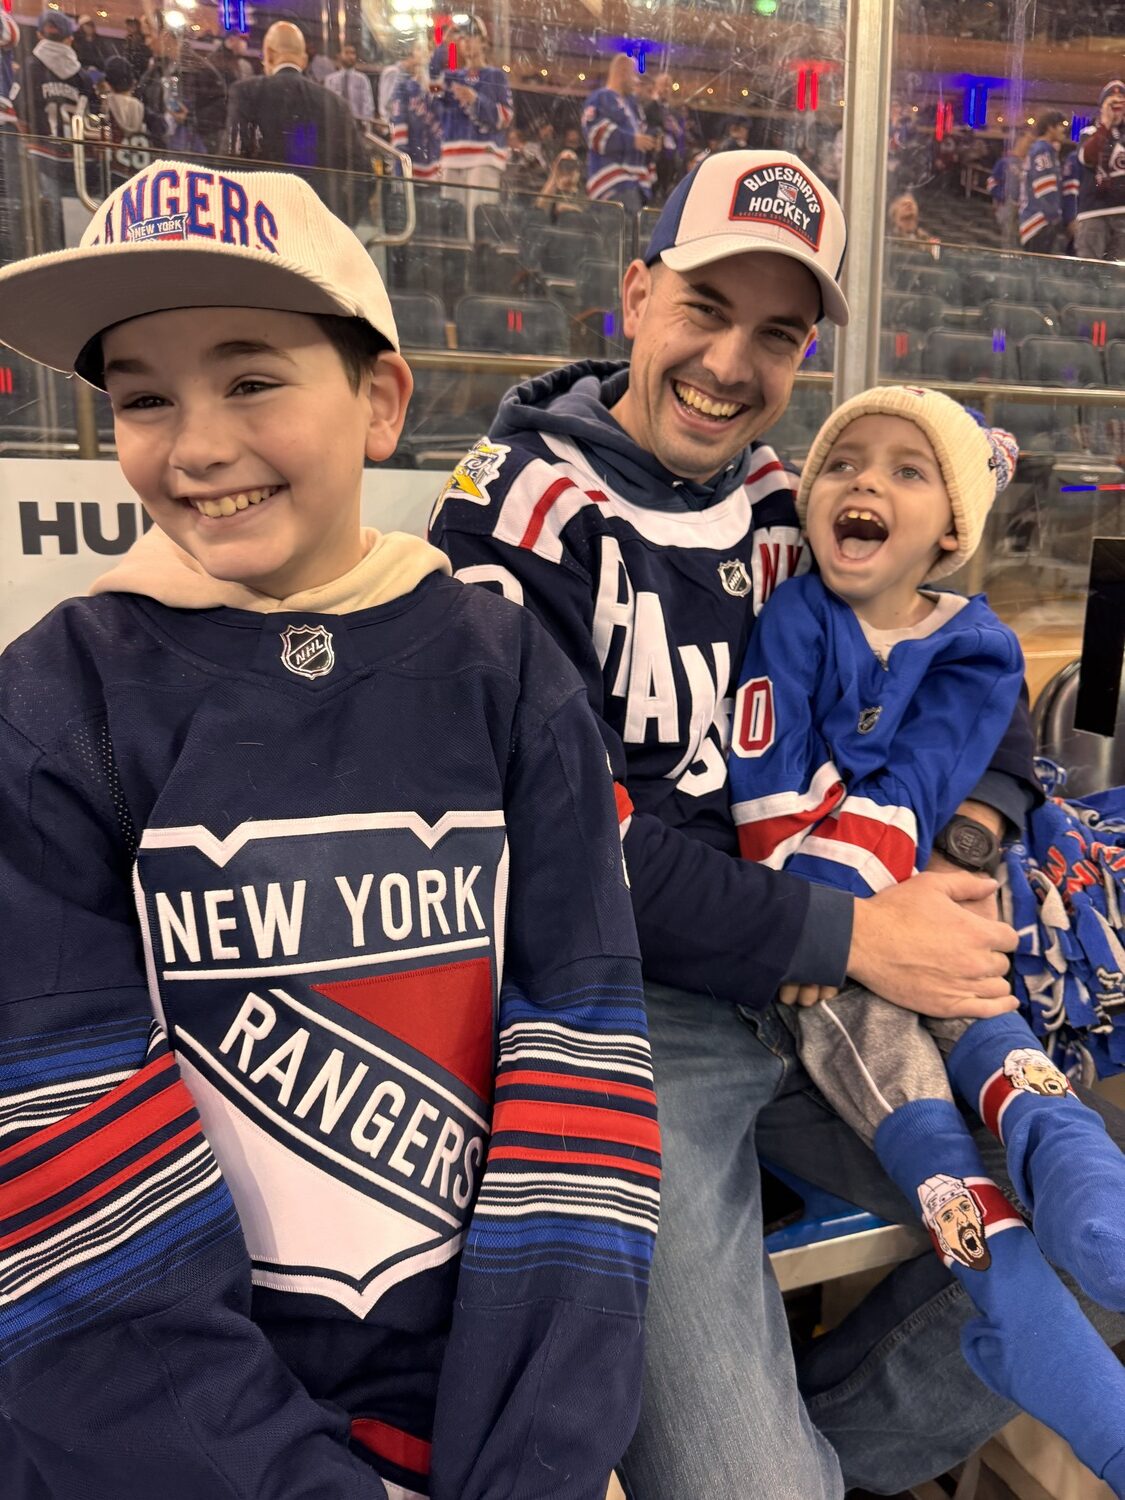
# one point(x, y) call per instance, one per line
point(1099, 324)
point(1017, 320)
point(968, 356)
point(1069, 362)
point(420, 319)
point(502, 325)
point(833, 1238)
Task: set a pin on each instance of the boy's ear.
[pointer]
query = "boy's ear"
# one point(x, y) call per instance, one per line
point(390, 385)
point(949, 542)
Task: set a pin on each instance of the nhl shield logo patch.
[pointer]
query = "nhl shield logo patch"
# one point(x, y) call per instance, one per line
point(306, 650)
point(780, 194)
point(734, 577)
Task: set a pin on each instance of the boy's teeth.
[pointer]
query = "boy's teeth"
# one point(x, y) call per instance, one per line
point(229, 504)
point(704, 404)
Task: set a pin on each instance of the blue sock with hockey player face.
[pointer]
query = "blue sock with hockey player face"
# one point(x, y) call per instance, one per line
point(1032, 1337)
point(1062, 1162)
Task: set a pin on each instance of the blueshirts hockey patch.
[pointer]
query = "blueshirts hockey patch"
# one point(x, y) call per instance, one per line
point(780, 194)
point(329, 986)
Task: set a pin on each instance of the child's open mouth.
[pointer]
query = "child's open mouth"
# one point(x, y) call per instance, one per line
point(230, 505)
point(699, 404)
point(859, 534)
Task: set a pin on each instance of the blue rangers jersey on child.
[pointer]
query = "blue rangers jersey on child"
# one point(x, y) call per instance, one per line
point(611, 123)
point(328, 1146)
point(415, 128)
point(844, 765)
point(1040, 193)
point(475, 134)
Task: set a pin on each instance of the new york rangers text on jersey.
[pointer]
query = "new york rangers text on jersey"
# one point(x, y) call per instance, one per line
point(328, 1147)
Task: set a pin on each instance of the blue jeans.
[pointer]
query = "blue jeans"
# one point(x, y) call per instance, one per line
point(884, 1401)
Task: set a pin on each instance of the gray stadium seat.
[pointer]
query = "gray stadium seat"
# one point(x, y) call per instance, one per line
point(999, 286)
point(900, 352)
point(1041, 427)
point(1052, 361)
point(508, 325)
point(1092, 762)
point(1115, 362)
point(420, 319)
point(918, 310)
point(967, 356)
point(1018, 320)
point(1099, 324)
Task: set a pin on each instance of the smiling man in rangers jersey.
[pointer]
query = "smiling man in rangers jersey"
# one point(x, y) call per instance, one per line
point(329, 1159)
point(637, 511)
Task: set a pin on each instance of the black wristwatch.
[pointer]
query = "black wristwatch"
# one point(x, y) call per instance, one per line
point(970, 844)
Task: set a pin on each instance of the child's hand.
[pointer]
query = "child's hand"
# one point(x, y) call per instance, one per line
point(806, 994)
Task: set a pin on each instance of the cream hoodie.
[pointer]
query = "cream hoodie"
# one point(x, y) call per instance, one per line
point(394, 563)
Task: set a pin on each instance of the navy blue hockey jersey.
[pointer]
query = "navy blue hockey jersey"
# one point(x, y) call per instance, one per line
point(328, 1150)
point(653, 598)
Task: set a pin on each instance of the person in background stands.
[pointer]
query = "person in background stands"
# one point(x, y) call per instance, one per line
point(1099, 230)
point(618, 168)
point(53, 87)
point(902, 220)
point(390, 79)
point(1003, 186)
point(415, 128)
point(91, 50)
point(284, 117)
point(135, 48)
point(561, 193)
point(1041, 215)
point(735, 136)
point(475, 110)
point(318, 67)
point(353, 87)
point(124, 117)
point(671, 158)
point(230, 61)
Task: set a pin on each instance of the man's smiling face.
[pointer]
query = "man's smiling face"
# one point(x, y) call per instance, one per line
point(715, 353)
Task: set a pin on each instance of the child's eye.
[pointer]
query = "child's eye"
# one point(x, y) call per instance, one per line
point(908, 471)
point(837, 465)
point(142, 403)
point(251, 386)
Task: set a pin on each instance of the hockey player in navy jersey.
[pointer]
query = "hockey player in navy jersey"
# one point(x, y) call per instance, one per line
point(637, 511)
point(869, 706)
point(329, 1155)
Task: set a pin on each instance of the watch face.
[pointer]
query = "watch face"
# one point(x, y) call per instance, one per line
point(970, 842)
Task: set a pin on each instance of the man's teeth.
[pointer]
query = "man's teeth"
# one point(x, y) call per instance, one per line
point(699, 402)
point(230, 504)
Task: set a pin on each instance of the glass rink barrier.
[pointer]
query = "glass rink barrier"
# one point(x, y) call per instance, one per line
point(953, 133)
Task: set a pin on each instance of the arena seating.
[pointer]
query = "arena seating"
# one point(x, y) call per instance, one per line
point(968, 356)
point(1018, 320)
point(501, 325)
point(1058, 361)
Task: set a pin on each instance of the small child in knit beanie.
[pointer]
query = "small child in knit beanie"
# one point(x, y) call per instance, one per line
point(869, 709)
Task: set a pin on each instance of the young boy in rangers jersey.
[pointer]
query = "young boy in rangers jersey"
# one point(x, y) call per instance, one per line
point(868, 709)
point(329, 1156)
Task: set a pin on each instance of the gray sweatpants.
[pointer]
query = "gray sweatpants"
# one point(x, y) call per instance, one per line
point(869, 1057)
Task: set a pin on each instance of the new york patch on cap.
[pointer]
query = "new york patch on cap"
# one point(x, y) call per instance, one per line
point(778, 193)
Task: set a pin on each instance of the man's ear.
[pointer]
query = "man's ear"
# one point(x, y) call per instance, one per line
point(389, 388)
point(636, 289)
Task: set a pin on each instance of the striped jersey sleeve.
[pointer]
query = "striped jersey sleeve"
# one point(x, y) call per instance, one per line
point(547, 1328)
point(123, 1268)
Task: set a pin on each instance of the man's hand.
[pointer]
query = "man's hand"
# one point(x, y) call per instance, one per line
point(983, 903)
point(644, 142)
point(463, 94)
point(918, 946)
point(806, 994)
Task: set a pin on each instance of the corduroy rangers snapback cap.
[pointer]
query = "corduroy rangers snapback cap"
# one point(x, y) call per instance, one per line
point(739, 201)
point(177, 235)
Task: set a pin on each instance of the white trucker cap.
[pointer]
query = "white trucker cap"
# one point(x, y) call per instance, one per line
point(182, 235)
point(737, 201)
